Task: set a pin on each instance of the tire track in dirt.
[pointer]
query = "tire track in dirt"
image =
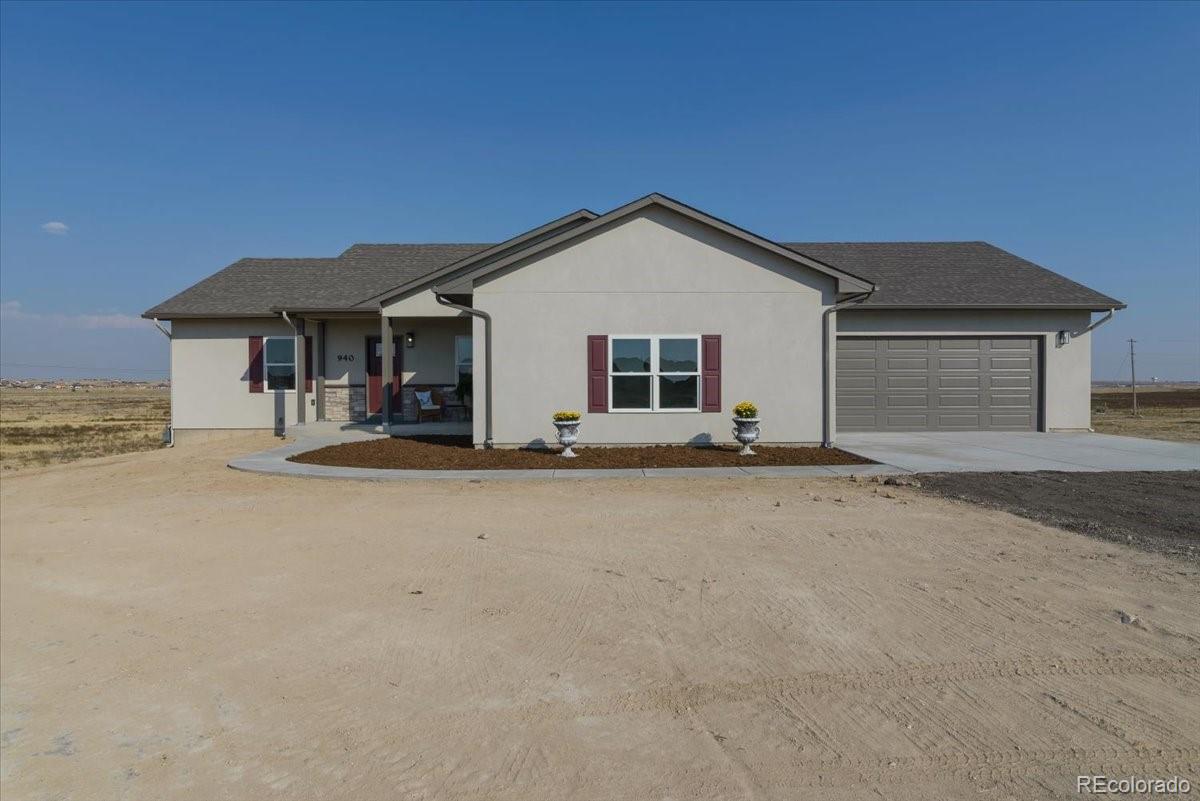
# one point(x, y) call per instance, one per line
point(712, 742)
point(677, 698)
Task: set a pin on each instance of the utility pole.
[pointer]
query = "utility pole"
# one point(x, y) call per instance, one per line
point(1133, 377)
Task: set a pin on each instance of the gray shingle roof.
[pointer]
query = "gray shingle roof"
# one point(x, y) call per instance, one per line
point(254, 287)
point(907, 274)
point(931, 274)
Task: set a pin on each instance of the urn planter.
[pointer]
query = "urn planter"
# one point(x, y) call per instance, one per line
point(568, 435)
point(745, 431)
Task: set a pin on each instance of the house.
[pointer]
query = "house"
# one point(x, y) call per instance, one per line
point(653, 319)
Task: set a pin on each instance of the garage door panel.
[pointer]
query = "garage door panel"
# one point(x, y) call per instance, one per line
point(907, 364)
point(937, 383)
point(913, 422)
point(953, 401)
point(1024, 365)
point(856, 363)
point(907, 344)
point(964, 422)
point(1015, 422)
point(1027, 345)
point(852, 401)
point(895, 401)
point(1018, 401)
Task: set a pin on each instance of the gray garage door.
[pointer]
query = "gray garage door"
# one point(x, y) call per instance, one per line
point(942, 384)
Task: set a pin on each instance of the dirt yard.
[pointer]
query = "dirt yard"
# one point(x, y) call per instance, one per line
point(1164, 412)
point(50, 426)
point(457, 453)
point(174, 629)
point(1158, 511)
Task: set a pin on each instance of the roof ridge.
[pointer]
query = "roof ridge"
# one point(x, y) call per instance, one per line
point(889, 242)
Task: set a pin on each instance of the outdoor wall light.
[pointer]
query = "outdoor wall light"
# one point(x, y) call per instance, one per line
point(1064, 338)
point(410, 339)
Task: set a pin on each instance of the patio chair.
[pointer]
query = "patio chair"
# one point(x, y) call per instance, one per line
point(429, 404)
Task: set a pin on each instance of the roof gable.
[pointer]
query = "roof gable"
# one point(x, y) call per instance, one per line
point(495, 252)
point(462, 281)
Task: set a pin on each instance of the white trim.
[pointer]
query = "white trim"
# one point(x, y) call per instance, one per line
point(654, 374)
point(268, 364)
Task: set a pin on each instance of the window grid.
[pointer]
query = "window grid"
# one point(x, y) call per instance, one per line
point(654, 374)
point(268, 364)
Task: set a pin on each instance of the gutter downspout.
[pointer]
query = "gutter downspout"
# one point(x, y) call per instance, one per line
point(170, 429)
point(1097, 324)
point(1088, 330)
point(827, 342)
point(300, 410)
point(487, 358)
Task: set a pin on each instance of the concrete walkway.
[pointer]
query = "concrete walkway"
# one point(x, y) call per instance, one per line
point(996, 451)
point(924, 452)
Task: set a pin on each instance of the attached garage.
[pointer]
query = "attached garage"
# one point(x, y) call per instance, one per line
point(938, 383)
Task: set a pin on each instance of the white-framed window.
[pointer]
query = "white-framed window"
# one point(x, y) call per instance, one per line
point(654, 373)
point(462, 355)
point(279, 362)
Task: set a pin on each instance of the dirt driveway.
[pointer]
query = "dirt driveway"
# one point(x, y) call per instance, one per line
point(174, 629)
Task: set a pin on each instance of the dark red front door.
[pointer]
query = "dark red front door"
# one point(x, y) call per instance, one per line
point(375, 375)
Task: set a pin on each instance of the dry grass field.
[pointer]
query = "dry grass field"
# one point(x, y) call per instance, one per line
point(1166, 412)
point(48, 426)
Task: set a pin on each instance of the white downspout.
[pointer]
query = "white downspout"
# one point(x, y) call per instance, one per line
point(1097, 324)
point(487, 358)
point(829, 342)
point(170, 428)
point(1092, 327)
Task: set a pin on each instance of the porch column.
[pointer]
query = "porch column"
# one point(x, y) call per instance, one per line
point(301, 395)
point(385, 379)
point(319, 357)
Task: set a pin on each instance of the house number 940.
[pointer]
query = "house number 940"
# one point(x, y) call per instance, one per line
point(345, 357)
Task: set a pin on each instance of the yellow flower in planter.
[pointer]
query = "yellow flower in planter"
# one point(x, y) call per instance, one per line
point(745, 409)
point(566, 416)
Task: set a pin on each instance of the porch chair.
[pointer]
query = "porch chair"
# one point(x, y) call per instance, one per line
point(429, 404)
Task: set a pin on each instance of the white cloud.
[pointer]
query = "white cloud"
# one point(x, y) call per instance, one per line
point(12, 311)
point(55, 227)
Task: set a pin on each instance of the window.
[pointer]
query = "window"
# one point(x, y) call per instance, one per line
point(279, 362)
point(654, 373)
point(462, 355)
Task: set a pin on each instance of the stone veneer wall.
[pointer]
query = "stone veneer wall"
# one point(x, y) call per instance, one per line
point(345, 403)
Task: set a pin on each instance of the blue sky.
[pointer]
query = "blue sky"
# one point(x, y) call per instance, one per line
point(169, 140)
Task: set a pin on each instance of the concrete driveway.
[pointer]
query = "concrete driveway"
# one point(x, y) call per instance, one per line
point(986, 451)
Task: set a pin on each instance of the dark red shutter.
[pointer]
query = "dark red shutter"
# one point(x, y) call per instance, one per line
point(256, 364)
point(597, 378)
point(710, 373)
point(308, 371)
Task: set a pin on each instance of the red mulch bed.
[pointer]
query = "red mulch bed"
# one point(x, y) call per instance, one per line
point(457, 453)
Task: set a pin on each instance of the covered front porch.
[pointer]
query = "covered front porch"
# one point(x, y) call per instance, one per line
point(384, 374)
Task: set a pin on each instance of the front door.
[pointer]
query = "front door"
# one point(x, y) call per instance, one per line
point(375, 375)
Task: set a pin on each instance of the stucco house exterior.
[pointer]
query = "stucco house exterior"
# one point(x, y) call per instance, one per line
point(653, 320)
